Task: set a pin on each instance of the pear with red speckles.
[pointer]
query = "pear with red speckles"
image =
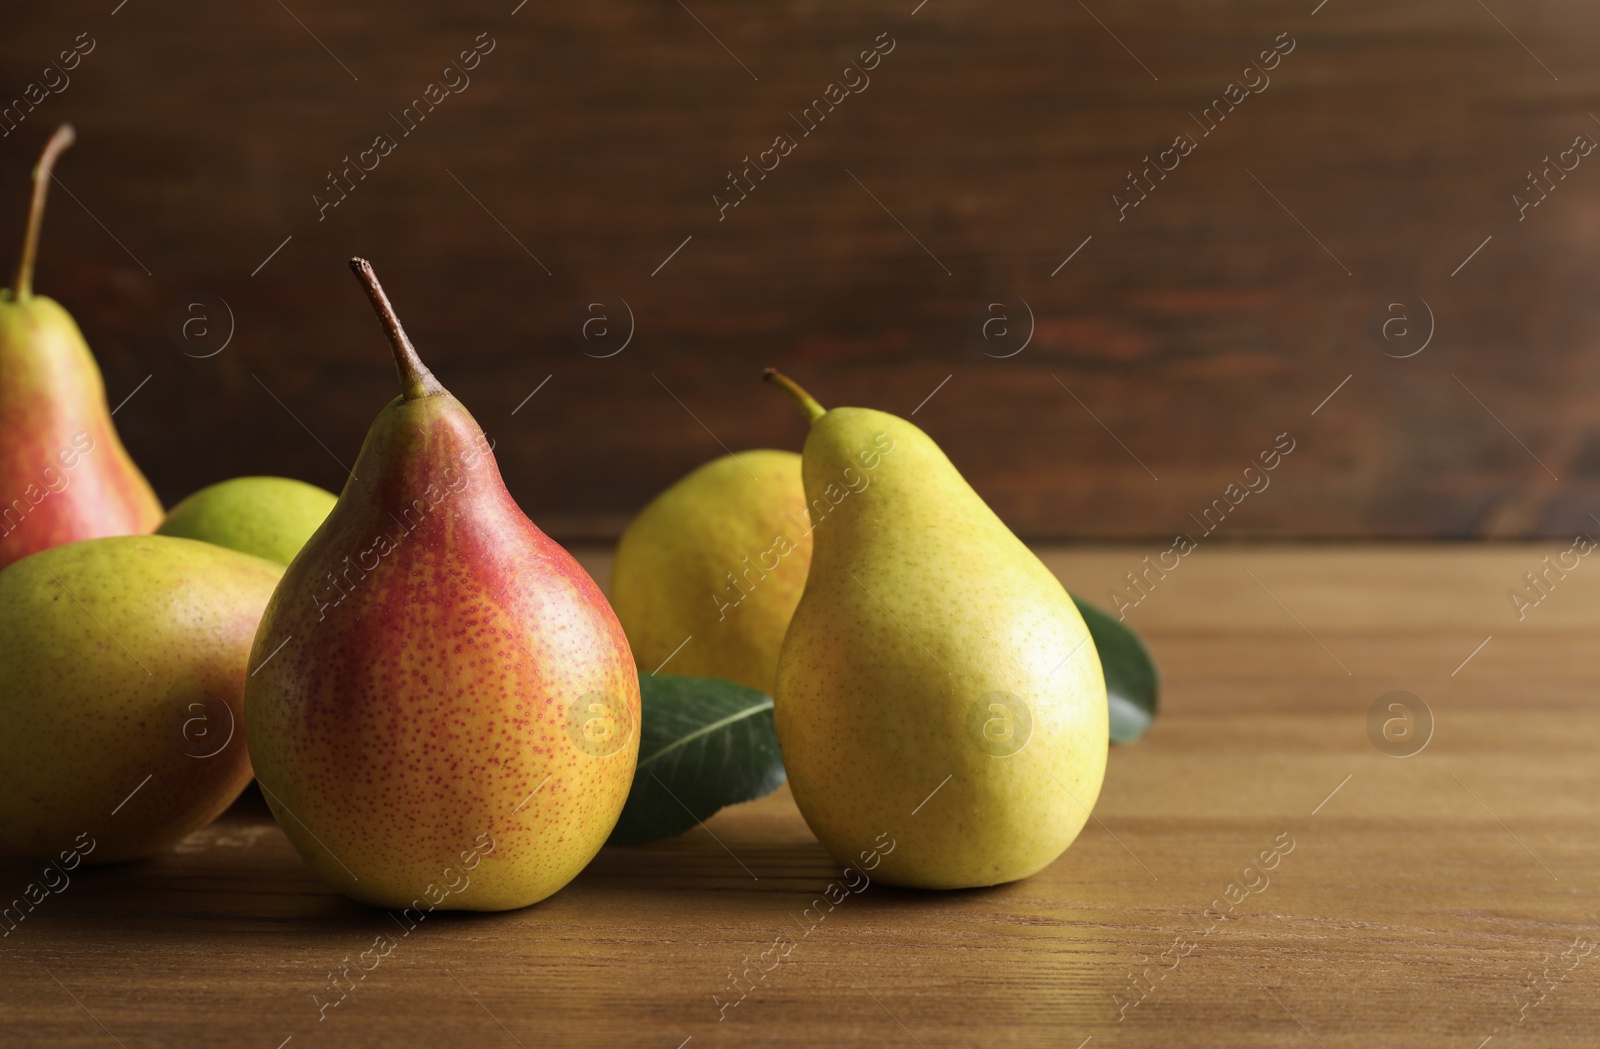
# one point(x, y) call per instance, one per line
point(64, 474)
point(442, 709)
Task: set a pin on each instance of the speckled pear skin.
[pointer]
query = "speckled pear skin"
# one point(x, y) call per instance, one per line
point(415, 734)
point(921, 605)
point(64, 474)
point(270, 517)
point(122, 658)
point(720, 557)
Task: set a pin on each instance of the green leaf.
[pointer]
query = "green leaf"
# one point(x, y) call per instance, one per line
point(1132, 681)
point(703, 744)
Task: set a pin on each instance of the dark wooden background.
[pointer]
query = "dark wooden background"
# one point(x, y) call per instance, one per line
point(1196, 330)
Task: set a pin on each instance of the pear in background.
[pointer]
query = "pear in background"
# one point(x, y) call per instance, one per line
point(445, 712)
point(939, 701)
point(122, 670)
point(270, 517)
point(64, 474)
point(719, 558)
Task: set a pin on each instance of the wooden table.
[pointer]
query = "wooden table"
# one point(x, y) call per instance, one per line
point(1418, 898)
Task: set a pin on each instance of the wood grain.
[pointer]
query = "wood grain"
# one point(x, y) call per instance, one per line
point(589, 143)
point(1418, 893)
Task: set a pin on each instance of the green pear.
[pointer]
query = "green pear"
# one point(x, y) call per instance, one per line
point(64, 474)
point(708, 574)
point(940, 706)
point(270, 517)
point(444, 712)
point(122, 670)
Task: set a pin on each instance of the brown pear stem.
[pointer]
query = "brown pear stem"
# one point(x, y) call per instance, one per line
point(796, 392)
point(64, 137)
point(416, 381)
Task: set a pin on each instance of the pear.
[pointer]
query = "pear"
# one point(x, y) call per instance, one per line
point(708, 574)
point(122, 670)
point(64, 474)
point(940, 707)
point(270, 517)
point(445, 711)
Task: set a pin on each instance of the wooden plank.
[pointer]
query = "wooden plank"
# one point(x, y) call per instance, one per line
point(1418, 893)
point(591, 140)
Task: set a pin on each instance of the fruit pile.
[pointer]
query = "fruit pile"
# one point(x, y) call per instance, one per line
point(422, 682)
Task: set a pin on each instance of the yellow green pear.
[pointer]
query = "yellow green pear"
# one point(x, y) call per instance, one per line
point(939, 702)
point(122, 671)
point(270, 517)
point(708, 574)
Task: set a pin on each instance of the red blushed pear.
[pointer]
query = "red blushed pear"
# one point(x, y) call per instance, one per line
point(64, 474)
point(443, 711)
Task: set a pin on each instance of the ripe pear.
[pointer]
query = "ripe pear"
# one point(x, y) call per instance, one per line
point(939, 701)
point(64, 474)
point(708, 574)
point(445, 711)
point(270, 517)
point(122, 670)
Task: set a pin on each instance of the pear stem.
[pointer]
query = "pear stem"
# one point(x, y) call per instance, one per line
point(807, 403)
point(64, 137)
point(416, 381)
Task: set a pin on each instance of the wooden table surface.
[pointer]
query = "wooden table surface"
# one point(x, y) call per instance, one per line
point(1419, 900)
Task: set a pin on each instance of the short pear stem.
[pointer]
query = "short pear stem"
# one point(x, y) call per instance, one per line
point(416, 381)
point(807, 403)
point(64, 137)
